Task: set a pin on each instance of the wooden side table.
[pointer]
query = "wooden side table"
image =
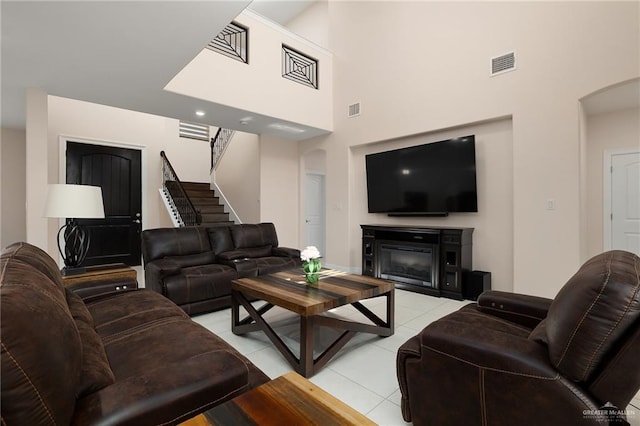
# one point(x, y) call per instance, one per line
point(101, 279)
point(287, 400)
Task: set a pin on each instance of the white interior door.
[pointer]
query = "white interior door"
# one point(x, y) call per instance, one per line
point(315, 211)
point(625, 201)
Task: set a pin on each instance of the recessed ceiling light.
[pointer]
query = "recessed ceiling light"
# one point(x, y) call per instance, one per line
point(200, 113)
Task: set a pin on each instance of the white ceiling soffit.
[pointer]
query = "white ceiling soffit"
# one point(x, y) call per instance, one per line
point(119, 54)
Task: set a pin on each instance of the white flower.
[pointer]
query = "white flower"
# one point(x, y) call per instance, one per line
point(311, 252)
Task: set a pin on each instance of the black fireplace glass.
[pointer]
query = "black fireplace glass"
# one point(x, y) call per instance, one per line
point(408, 264)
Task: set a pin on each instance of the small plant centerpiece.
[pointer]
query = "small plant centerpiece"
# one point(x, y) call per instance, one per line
point(311, 265)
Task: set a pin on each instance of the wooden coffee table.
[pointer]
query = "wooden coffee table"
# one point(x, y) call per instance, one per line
point(288, 400)
point(289, 290)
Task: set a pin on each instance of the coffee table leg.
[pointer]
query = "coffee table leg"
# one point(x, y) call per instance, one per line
point(305, 366)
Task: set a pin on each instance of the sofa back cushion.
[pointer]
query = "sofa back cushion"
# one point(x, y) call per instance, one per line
point(594, 311)
point(166, 242)
point(41, 349)
point(220, 239)
point(254, 235)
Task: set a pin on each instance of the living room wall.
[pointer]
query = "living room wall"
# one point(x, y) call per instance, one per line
point(13, 186)
point(421, 68)
point(88, 122)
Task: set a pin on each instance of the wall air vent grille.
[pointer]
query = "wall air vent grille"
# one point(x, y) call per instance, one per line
point(232, 42)
point(194, 131)
point(354, 110)
point(298, 67)
point(503, 63)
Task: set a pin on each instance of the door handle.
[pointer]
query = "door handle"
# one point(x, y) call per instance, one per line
point(137, 221)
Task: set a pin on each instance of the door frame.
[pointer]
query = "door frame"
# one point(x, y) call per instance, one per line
point(606, 192)
point(62, 167)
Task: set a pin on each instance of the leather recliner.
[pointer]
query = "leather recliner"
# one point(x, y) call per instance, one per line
point(513, 359)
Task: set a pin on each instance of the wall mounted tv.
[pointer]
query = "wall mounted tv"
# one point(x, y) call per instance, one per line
point(432, 179)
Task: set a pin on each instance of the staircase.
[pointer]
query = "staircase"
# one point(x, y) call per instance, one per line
point(206, 202)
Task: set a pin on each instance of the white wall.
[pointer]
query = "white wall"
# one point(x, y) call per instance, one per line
point(258, 87)
point(280, 188)
point(97, 123)
point(13, 224)
point(238, 176)
point(423, 67)
point(608, 131)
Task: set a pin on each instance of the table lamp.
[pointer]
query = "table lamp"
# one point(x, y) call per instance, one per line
point(74, 202)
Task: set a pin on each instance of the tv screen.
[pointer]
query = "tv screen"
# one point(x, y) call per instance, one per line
point(434, 178)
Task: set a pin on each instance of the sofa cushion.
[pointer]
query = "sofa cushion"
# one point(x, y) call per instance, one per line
point(163, 242)
point(220, 238)
point(197, 259)
point(246, 253)
point(200, 283)
point(254, 235)
point(41, 348)
point(96, 372)
point(591, 313)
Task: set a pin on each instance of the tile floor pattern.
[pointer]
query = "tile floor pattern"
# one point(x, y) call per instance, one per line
point(363, 373)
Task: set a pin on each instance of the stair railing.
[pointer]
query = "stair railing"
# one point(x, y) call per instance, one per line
point(189, 215)
point(219, 144)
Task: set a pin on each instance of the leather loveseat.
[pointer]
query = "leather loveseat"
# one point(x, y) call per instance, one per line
point(194, 266)
point(514, 359)
point(123, 358)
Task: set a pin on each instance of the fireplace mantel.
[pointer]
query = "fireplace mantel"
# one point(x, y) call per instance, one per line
point(450, 249)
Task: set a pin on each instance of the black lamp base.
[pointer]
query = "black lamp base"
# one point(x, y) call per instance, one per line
point(76, 245)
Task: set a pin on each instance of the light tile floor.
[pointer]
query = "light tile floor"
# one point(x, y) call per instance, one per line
point(363, 373)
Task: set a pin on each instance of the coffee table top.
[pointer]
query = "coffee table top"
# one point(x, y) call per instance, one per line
point(289, 290)
point(287, 400)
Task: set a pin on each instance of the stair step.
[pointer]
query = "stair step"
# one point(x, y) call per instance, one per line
point(215, 217)
point(204, 209)
point(199, 201)
point(200, 194)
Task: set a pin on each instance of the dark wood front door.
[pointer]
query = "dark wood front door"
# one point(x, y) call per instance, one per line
point(115, 239)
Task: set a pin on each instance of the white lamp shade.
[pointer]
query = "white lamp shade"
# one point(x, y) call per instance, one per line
point(74, 201)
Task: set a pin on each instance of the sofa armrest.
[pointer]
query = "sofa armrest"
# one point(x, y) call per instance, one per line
point(156, 271)
point(286, 252)
point(245, 267)
point(169, 394)
point(519, 308)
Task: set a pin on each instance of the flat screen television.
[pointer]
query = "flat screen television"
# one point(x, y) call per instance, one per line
point(431, 179)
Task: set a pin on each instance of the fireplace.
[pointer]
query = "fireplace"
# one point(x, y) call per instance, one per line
point(408, 263)
point(430, 260)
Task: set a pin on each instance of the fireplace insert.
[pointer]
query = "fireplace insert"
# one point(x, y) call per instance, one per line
point(415, 264)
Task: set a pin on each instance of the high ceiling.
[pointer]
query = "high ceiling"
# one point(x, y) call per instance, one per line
point(115, 53)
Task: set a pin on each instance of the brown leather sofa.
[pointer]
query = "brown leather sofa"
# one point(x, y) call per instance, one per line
point(125, 358)
point(194, 266)
point(513, 359)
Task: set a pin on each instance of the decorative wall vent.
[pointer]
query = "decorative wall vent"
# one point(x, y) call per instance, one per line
point(232, 42)
point(298, 67)
point(503, 63)
point(194, 131)
point(354, 110)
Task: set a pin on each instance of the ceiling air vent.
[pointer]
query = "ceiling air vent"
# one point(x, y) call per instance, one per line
point(354, 110)
point(194, 131)
point(503, 63)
